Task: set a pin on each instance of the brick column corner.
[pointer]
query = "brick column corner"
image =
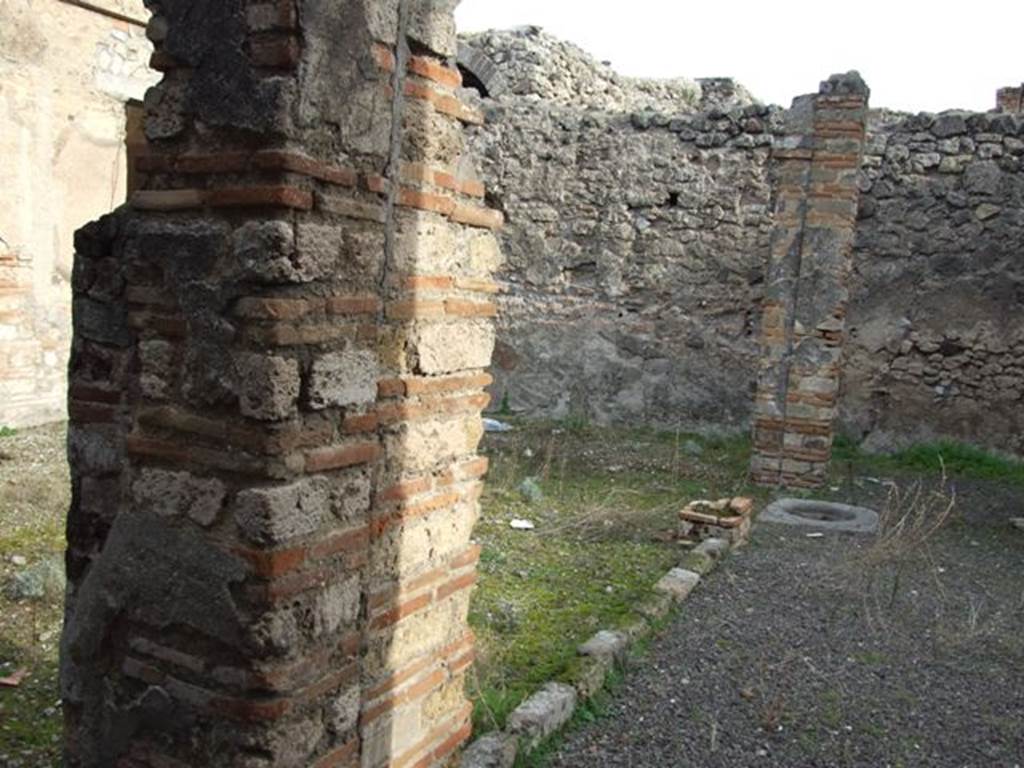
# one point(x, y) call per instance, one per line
point(277, 372)
point(816, 168)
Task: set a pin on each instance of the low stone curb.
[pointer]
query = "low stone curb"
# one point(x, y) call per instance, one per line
point(548, 710)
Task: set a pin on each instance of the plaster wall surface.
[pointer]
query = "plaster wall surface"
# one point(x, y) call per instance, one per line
point(65, 75)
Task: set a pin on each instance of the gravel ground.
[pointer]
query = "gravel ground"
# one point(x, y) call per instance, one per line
point(829, 652)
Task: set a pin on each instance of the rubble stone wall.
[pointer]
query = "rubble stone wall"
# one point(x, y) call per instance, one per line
point(637, 240)
point(276, 379)
point(634, 260)
point(937, 312)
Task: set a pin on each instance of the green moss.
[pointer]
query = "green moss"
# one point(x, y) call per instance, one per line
point(698, 562)
point(30, 718)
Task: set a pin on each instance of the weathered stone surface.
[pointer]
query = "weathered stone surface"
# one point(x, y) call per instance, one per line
point(937, 339)
point(268, 386)
point(678, 583)
point(714, 548)
point(633, 258)
point(589, 674)
point(449, 348)
point(345, 378)
point(542, 714)
point(492, 750)
point(167, 494)
point(606, 644)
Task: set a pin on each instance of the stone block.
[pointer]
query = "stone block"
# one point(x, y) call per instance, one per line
point(452, 347)
point(268, 386)
point(492, 750)
point(606, 644)
point(277, 514)
point(678, 583)
point(343, 378)
point(541, 715)
point(713, 548)
point(588, 674)
point(168, 494)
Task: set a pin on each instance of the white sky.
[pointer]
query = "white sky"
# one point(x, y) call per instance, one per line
point(916, 55)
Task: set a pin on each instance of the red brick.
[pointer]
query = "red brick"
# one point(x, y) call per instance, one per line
point(348, 541)
point(470, 556)
point(405, 490)
point(425, 201)
point(478, 216)
point(276, 308)
point(167, 200)
point(456, 585)
point(464, 308)
point(225, 162)
point(399, 612)
point(429, 283)
point(473, 469)
point(391, 388)
point(353, 305)
point(274, 51)
point(384, 57)
point(437, 385)
point(345, 756)
point(415, 309)
point(414, 692)
point(338, 457)
point(397, 678)
point(260, 196)
point(434, 70)
point(295, 162)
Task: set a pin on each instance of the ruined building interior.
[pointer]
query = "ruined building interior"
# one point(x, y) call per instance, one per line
point(346, 232)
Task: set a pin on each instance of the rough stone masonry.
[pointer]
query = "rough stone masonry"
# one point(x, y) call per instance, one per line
point(275, 385)
point(639, 224)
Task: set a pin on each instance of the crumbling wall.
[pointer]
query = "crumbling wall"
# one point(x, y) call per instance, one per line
point(65, 75)
point(634, 260)
point(937, 314)
point(276, 381)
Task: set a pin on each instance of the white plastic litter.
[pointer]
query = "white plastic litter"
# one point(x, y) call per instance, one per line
point(493, 425)
point(522, 525)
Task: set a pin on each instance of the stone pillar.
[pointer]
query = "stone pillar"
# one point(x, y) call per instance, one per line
point(1010, 99)
point(276, 379)
point(806, 293)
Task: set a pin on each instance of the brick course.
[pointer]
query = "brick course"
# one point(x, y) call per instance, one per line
point(275, 398)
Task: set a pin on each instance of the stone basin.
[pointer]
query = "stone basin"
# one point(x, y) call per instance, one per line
point(821, 515)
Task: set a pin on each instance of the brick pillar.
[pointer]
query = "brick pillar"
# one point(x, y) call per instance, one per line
point(1010, 99)
point(803, 322)
point(277, 372)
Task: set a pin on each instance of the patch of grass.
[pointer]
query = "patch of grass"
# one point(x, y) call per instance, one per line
point(610, 496)
point(7, 431)
point(34, 497)
point(956, 459)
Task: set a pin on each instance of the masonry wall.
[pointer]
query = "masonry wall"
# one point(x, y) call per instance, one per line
point(637, 244)
point(65, 75)
point(276, 379)
point(937, 313)
point(635, 257)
